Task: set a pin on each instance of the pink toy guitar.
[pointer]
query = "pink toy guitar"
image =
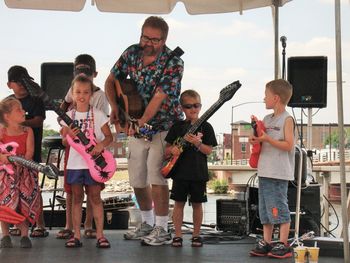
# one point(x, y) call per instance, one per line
point(97, 164)
point(99, 173)
point(10, 148)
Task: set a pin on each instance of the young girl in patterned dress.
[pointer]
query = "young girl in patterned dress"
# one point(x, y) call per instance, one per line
point(19, 191)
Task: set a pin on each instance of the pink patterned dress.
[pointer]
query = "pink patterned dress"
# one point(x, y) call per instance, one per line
point(20, 191)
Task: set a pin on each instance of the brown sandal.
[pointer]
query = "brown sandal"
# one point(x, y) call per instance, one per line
point(39, 232)
point(64, 234)
point(14, 231)
point(90, 233)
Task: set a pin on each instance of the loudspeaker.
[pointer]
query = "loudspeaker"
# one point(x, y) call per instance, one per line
point(56, 79)
point(308, 76)
point(310, 209)
point(231, 215)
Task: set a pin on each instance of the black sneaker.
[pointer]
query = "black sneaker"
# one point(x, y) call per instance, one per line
point(280, 250)
point(261, 249)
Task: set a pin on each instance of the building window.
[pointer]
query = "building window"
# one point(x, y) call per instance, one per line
point(243, 147)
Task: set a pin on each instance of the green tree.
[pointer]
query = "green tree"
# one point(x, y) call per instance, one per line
point(333, 139)
point(47, 132)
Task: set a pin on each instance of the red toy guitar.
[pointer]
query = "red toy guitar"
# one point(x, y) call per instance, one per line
point(258, 128)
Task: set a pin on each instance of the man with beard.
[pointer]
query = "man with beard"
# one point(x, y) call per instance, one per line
point(157, 76)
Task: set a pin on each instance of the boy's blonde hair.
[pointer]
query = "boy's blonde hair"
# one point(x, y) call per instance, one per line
point(189, 93)
point(281, 88)
point(83, 79)
point(6, 106)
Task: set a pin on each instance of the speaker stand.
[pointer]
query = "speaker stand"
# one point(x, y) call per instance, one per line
point(298, 198)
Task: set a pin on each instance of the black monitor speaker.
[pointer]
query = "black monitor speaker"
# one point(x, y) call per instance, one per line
point(308, 76)
point(309, 206)
point(56, 79)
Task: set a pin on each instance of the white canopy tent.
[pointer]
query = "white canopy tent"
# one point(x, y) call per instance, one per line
point(209, 7)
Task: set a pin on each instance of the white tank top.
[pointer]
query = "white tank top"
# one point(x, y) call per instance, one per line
point(273, 162)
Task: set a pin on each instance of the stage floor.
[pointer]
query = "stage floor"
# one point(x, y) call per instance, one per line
point(222, 248)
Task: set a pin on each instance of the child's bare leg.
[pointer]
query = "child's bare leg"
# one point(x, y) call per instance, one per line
point(178, 215)
point(69, 205)
point(197, 218)
point(268, 228)
point(284, 232)
point(94, 194)
point(24, 227)
point(5, 227)
point(88, 214)
point(78, 197)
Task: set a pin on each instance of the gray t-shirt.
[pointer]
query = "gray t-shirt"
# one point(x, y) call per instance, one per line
point(273, 162)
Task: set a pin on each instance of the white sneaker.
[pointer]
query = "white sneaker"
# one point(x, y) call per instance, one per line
point(141, 231)
point(157, 237)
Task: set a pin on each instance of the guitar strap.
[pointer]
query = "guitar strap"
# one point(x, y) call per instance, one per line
point(171, 56)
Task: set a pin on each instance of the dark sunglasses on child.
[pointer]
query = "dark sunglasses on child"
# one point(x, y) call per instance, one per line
point(190, 106)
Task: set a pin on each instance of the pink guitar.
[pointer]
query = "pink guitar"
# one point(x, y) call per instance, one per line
point(10, 148)
point(107, 164)
point(101, 166)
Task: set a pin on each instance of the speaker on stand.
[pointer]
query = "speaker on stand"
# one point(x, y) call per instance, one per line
point(56, 79)
point(308, 76)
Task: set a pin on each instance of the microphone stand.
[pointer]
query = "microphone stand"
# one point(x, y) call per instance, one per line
point(283, 40)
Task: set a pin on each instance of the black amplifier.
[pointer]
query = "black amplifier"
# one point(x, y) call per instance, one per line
point(231, 216)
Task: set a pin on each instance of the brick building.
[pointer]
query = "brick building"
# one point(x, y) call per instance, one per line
point(237, 141)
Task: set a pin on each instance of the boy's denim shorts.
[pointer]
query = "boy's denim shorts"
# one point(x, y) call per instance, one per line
point(273, 201)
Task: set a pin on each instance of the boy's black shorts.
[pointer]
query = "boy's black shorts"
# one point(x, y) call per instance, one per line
point(195, 191)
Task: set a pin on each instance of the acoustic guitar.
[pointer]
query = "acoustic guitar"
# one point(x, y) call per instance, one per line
point(101, 166)
point(258, 127)
point(131, 106)
point(225, 95)
point(50, 170)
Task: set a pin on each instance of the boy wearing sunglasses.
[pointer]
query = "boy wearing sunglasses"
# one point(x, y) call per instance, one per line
point(190, 173)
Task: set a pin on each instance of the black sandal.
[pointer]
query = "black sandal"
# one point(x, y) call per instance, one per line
point(103, 242)
point(197, 241)
point(39, 232)
point(177, 242)
point(73, 243)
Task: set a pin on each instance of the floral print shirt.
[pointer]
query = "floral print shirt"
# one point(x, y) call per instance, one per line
point(168, 81)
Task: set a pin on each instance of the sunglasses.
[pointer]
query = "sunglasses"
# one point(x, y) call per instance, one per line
point(190, 106)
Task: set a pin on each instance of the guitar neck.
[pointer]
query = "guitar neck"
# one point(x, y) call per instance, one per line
point(35, 91)
point(195, 126)
point(26, 163)
point(225, 95)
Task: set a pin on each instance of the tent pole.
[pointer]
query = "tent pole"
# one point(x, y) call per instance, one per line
point(275, 14)
point(341, 130)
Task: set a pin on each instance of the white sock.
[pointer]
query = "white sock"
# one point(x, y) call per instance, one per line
point(162, 221)
point(148, 217)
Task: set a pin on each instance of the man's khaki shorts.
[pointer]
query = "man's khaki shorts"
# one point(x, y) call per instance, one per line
point(145, 160)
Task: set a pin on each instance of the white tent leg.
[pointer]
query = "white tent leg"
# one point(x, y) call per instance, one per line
point(341, 130)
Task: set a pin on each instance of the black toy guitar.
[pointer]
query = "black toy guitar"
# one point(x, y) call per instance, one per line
point(225, 95)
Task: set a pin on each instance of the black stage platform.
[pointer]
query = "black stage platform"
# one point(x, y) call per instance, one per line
point(52, 250)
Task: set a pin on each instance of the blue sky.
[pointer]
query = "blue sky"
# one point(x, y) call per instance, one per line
point(219, 49)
